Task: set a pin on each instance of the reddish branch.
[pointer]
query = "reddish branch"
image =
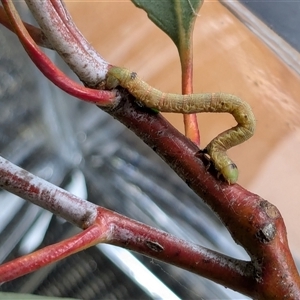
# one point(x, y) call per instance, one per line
point(253, 222)
point(103, 225)
point(190, 121)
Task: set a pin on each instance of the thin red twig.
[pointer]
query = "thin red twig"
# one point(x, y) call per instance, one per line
point(190, 121)
point(46, 66)
point(67, 40)
point(43, 257)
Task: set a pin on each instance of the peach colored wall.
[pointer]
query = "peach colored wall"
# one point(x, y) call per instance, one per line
point(227, 58)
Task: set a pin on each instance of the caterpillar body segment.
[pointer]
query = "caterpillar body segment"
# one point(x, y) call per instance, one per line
point(195, 103)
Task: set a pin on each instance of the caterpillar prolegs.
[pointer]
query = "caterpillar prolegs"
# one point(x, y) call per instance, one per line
point(195, 103)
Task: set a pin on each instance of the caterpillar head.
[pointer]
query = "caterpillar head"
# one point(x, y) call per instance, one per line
point(230, 173)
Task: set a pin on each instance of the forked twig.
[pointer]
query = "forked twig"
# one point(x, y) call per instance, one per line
point(253, 222)
point(46, 66)
point(103, 225)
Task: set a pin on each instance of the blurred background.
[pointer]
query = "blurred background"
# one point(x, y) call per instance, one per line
point(249, 51)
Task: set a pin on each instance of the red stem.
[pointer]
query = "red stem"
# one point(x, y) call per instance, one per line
point(185, 49)
point(46, 66)
point(36, 260)
point(190, 120)
point(57, 24)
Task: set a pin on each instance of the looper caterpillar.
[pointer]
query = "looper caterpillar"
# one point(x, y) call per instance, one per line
point(195, 103)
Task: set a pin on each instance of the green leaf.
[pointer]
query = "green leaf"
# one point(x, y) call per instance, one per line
point(175, 17)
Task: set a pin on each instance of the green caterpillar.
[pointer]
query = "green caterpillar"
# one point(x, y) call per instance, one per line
point(195, 103)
